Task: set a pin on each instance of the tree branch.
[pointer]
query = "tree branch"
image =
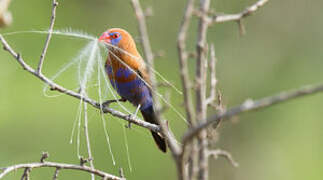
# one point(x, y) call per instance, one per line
point(182, 57)
point(219, 152)
point(87, 139)
point(200, 91)
point(59, 166)
point(49, 36)
point(237, 17)
point(251, 105)
point(56, 173)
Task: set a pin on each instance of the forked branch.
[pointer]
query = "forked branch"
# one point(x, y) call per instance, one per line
point(237, 17)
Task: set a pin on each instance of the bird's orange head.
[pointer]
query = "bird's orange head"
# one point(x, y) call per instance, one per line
point(119, 38)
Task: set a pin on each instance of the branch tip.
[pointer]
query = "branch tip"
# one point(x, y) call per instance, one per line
point(44, 156)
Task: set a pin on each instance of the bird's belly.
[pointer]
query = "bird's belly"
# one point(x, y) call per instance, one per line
point(130, 86)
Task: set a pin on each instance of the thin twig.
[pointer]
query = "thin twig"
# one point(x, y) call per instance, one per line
point(49, 36)
point(56, 173)
point(60, 166)
point(236, 17)
point(87, 139)
point(182, 57)
point(25, 175)
point(121, 173)
point(251, 105)
point(200, 91)
point(183, 172)
point(219, 152)
point(44, 156)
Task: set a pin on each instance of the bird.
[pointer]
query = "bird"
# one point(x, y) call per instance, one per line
point(128, 75)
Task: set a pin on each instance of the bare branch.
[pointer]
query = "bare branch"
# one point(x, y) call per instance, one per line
point(242, 29)
point(149, 56)
point(44, 156)
point(87, 139)
point(219, 152)
point(25, 175)
point(183, 172)
point(56, 173)
point(251, 105)
point(49, 36)
point(201, 106)
point(183, 56)
point(60, 166)
point(236, 17)
point(121, 173)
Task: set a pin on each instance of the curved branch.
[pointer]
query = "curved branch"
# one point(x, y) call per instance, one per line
point(237, 17)
point(59, 166)
point(49, 36)
point(251, 105)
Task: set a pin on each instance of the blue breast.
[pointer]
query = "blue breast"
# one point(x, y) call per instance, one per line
point(135, 91)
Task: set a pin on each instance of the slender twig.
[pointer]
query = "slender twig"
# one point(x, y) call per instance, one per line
point(183, 172)
point(200, 91)
point(182, 57)
point(87, 139)
point(60, 166)
point(44, 156)
point(25, 175)
point(49, 36)
point(219, 152)
point(61, 89)
point(121, 173)
point(236, 17)
point(56, 173)
point(251, 105)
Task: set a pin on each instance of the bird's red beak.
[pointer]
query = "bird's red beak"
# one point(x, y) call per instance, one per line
point(105, 37)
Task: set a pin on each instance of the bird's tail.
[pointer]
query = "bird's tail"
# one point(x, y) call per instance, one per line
point(149, 116)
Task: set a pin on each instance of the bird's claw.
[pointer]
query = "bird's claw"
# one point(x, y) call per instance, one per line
point(108, 102)
point(130, 116)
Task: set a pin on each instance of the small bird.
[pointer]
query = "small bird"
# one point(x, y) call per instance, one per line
point(128, 75)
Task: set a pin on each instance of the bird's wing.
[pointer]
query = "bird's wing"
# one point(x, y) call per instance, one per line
point(142, 72)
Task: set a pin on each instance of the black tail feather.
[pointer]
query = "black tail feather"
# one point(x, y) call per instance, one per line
point(149, 116)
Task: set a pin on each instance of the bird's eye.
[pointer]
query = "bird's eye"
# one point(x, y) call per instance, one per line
point(115, 36)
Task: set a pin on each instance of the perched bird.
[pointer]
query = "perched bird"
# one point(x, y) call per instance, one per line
point(128, 75)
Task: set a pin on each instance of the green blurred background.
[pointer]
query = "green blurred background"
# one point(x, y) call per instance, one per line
point(282, 50)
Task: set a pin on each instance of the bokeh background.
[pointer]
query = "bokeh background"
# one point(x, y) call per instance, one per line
point(282, 50)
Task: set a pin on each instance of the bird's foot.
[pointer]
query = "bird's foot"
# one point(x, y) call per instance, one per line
point(108, 102)
point(130, 116)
